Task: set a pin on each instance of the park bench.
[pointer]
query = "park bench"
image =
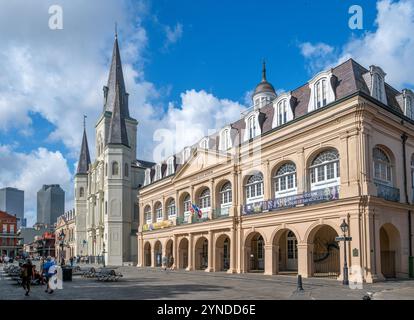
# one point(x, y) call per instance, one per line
point(108, 275)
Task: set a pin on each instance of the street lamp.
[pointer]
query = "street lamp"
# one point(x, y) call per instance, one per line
point(103, 254)
point(344, 228)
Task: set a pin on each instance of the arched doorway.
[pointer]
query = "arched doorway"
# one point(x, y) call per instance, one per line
point(183, 254)
point(390, 250)
point(223, 253)
point(254, 253)
point(287, 257)
point(169, 253)
point(147, 254)
point(158, 254)
point(201, 254)
point(325, 253)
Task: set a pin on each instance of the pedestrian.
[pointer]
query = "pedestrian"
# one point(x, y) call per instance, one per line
point(27, 274)
point(71, 261)
point(46, 267)
point(164, 262)
point(171, 263)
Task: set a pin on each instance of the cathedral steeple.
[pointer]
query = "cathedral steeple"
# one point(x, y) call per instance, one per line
point(116, 76)
point(84, 157)
point(117, 128)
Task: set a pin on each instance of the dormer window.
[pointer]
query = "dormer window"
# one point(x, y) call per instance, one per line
point(170, 166)
point(321, 91)
point(204, 143)
point(252, 127)
point(147, 177)
point(158, 172)
point(187, 152)
point(225, 142)
point(282, 112)
point(378, 84)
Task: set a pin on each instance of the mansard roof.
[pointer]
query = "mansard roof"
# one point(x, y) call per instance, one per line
point(347, 79)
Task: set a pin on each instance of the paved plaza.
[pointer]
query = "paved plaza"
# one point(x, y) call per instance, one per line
point(158, 284)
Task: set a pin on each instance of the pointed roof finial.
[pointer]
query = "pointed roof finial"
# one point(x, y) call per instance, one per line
point(264, 71)
point(116, 30)
point(84, 121)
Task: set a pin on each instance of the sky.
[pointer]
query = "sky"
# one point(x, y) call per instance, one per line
point(189, 67)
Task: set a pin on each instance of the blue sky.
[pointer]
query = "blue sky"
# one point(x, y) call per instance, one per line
point(185, 62)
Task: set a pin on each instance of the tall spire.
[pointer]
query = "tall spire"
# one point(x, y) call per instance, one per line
point(117, 128)
point(264, 71)
point(84, 157)
point(116, 76)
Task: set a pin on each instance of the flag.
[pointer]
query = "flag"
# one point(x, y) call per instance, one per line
point(195, 209)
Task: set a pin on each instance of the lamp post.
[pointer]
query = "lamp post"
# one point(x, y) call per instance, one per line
point(61, 245)
point(103, 254)
point(344, 228)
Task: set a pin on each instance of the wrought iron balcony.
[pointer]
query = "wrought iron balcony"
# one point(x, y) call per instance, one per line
point(221, 213)
point(307, 198)
point(387, 192)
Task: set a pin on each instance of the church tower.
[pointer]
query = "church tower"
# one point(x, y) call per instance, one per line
point(116, 135)
point(81, 189)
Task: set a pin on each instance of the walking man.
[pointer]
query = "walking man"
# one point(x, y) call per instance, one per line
point(27, 275)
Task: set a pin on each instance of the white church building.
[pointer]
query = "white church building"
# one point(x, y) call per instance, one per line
point(106, 189)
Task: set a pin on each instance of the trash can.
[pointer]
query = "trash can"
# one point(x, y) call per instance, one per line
point(411, 267)
point(67, 274)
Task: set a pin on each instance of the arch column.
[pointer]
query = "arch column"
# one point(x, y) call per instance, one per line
point(211, 253)
point(267, 182)
point(305, 251)
point(275, 260)
point(140, 252)
point(153, 257)
point(233, 264)
point(175, 252)
point(191, 249)
point(268, 268)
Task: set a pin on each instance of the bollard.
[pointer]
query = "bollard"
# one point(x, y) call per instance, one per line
point(300, 287)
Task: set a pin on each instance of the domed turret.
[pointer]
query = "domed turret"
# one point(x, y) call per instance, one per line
point(264, 92)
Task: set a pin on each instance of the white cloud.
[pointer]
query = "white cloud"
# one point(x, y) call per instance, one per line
point(200, 114)
point(390, 46)
point(173, 34)
point(30, 171)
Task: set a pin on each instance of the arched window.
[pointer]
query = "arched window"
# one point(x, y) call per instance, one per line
point(204, 143)
point(158, 211)
point(225, 140)
point(126, 170)
point(252, 127)
point(115, 168)
point(158, 172)
point(324, 170)
point(204, 199)
point(225, 194)
point(412, 173)
point(170, 166)
point(409, 107)
point(147, 177)
point(187, 204)
point(282, 112)
point(254, 188)
point(285, 179)
point(147, 214)
point(378, 86)
point(382, 166)
point(320, 93)
point(171, 208)
point(81, 192)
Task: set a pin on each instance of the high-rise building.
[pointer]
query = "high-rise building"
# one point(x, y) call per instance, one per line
point(50, 204)
point(12, 201)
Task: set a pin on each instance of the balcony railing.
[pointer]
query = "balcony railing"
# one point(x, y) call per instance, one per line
point(220, 213)
point(307, 198)
point(387, 192)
